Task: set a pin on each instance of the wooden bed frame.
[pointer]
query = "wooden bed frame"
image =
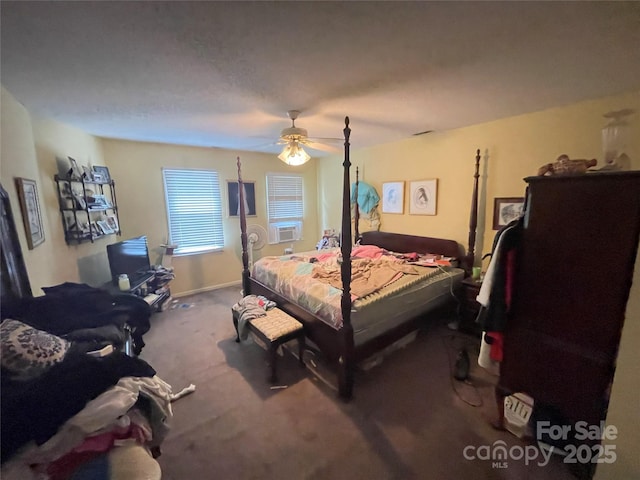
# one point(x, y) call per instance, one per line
point(338, 344)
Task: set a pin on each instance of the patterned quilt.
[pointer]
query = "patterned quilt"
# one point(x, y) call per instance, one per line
point(312, 280)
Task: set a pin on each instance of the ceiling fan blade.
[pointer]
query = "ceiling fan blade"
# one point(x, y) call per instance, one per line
point(329, 140)
point(321, 146)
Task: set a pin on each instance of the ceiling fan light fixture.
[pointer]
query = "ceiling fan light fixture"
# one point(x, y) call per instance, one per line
point(293, 154)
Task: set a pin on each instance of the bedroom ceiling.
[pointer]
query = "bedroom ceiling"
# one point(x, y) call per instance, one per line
point(224, 74)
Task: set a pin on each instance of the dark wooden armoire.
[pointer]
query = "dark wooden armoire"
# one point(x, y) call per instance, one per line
point(574, 270)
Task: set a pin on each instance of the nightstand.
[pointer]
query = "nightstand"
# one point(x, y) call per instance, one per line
point(470, 307)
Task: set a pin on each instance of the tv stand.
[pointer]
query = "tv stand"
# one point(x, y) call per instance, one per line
point(154, 289)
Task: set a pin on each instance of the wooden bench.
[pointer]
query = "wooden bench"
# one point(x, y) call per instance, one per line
point(274, 329)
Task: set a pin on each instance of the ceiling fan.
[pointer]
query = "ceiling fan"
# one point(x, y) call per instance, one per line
point(294, 138)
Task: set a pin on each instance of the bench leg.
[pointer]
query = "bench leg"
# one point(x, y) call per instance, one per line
point(273, 356)
point(301, 348)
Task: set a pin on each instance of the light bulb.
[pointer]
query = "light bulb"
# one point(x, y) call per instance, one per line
point(293, 154)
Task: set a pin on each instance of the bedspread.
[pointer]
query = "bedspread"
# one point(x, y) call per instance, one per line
point(312, 280)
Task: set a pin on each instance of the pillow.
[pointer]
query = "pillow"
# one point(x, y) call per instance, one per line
point(28, 352)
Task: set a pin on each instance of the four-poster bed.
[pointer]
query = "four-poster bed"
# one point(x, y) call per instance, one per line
point(336, 337)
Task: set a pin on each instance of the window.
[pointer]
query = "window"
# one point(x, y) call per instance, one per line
point(194, 210)
point(285, 207)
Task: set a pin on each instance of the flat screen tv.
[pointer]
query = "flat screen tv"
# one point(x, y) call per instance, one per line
point(130, 257)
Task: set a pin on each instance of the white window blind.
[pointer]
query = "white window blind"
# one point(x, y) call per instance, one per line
point(285, 207)
point(194, 210)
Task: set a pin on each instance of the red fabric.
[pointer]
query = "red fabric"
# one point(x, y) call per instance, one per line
point(92, 446)
point(497, 344)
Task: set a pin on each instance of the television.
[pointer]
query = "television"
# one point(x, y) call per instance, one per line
point(130, 257)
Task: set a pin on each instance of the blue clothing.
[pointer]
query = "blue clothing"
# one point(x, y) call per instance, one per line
point(367, 196)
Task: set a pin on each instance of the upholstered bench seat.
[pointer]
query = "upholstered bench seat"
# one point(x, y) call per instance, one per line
point(274, 329)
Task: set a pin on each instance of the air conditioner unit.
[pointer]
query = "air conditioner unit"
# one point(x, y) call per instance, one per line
point(281, 233)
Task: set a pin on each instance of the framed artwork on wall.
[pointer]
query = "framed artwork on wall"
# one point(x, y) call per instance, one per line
point(423, 197)
point(505, 210)
point(31, 217)
point(393, 197)
point(234, 199)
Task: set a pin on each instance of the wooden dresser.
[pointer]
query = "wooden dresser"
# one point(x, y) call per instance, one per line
point(573, 275)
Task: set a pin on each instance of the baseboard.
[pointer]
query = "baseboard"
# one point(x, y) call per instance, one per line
point(206, 289)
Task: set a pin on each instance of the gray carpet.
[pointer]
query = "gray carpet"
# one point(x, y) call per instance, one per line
point(408, 418)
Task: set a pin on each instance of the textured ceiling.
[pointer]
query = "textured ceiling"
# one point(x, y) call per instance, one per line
point(224, 74)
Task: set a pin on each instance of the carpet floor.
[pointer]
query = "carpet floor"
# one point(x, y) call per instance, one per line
point(408, 419)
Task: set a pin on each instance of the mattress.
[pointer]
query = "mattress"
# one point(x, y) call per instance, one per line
point(404, 297)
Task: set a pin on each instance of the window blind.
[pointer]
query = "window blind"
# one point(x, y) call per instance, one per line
point(284, 198)
point(194, 210)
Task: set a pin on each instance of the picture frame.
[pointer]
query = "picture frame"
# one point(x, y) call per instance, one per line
point(393, 197)
point(96, 231)
point(31, 215)
point(104, 226)
point(505, 210)
point(87, 174)
point(423, 197)
point(102, 174)
point(112, 221)
point(233, 199)
point(75, 171)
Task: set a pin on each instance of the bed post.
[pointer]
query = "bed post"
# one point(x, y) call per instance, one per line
point(356, 213)
point(346, 359)
point(243, 235)
point(473, 221)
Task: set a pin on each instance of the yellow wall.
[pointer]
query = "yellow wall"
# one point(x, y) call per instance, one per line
point(511, 149)
point(29, 149)
point(137, 167)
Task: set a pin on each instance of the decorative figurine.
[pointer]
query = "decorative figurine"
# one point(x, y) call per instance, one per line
point(565, 166)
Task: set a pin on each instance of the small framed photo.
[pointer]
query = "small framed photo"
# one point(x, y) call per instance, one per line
point(104, 226)
point(102, 174)
point(234, 198)
point(75, 172)
point(30, 206)
point(505, 210)
point(112, 221)
point(423, 197)
point(87, 174)
point(393, 197)
point(96, 231)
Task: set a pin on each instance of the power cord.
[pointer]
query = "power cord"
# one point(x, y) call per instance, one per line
point(449, 348)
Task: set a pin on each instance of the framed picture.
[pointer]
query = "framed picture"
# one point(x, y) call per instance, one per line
point(423, 197)
point(505, 210)
point(234, 199)
point(104, 226)
point(75, 172)
point(96, 230)
point(31, 217)
point(393, 197)
point(112, 221)
point(87, 174)
point(101, 174)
